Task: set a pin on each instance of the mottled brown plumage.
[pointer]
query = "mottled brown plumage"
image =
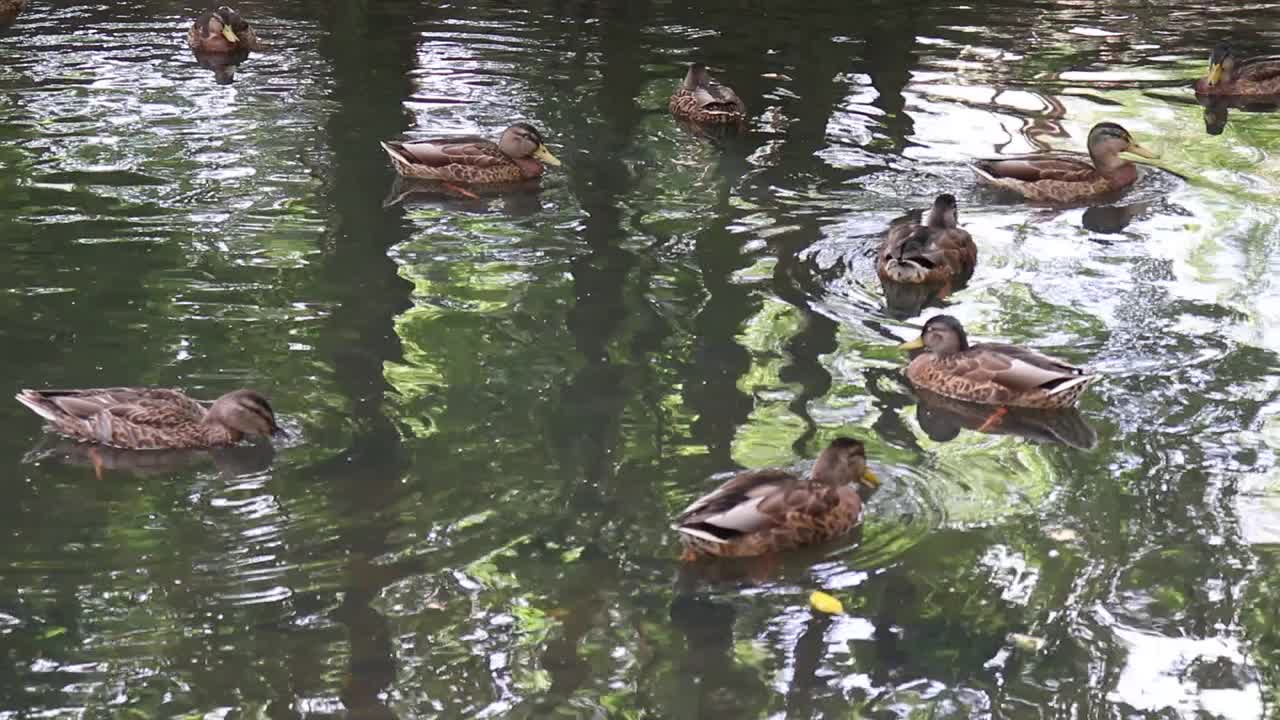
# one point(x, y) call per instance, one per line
point(760, 511)
point(1229, 75)
point(10, 10)
point(936, 252)
point(151, 418)
point(222, 31)
point(701, 99)
point(1064, 179)
point(990, 373)
point(519, 155)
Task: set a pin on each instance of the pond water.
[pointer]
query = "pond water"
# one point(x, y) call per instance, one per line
point(498, 403)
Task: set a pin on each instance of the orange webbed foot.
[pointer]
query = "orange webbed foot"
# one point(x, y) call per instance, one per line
point(462, 191)
point(97, 462)
point(994, 421)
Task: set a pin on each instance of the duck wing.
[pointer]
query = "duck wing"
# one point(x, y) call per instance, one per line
point(750, 502)
point(123, 417)
point(1037, 168)
point(1258, 69)
point(439, 152)
point(714, 96)
point(1020, 369)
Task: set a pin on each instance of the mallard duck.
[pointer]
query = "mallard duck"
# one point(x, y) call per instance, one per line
point(1059, 179)
point(519, 155)
point(10, 10)
point(222, 31)
point(761, 511)
point(990, 373)
point(1230, 76)
point(937, 252)
point(703, 100)
point(152, 418)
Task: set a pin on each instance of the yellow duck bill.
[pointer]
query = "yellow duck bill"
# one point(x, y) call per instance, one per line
point(1215, 74)
point(543, 154)
point(1137, 149)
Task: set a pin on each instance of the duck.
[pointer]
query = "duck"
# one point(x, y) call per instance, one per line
point(222, 31)
point(1229, 76)
point(701, 99)
point(520, 154)
point(10, 10)
point(991, 373)
point(152, 418)
point(936, 252)
point(1059, 179)
point(773, 510)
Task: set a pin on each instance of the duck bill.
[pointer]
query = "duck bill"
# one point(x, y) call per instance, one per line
point(1140, 151)
point(870, 479)
point(229, 34)
point(544, 155)
point(1215, 74)
point(916, 344)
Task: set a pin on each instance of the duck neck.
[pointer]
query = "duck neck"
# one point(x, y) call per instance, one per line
point(1110, 163)
point(529, 167)
point(829, 470)
point(941, 219)
point(216, 434)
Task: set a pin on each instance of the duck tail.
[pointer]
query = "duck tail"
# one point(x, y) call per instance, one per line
point(396, 154)
point(698, 533)
point(37, 403)
point(982, 174)
point(1069, 384)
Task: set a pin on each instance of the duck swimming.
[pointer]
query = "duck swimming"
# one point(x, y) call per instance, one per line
point(1229, 75)
point(152, 418)
point(222, 31)
point(1061, 179)
point(938, 251)
point(519, 155)
point(761, 511)
point(990, 373)
point(701, 99)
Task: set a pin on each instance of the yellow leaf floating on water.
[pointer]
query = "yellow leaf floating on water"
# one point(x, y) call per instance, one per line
point(823, 602)
point(1029, 643)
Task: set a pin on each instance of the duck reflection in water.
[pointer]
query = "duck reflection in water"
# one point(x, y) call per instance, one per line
point(1112, 218)
point(943, 418)
point(518, 199)
point(711, 680)
point(1217, 109)
point(223, 65)
point(221, 40)
point(235, 461)
point(921, 263)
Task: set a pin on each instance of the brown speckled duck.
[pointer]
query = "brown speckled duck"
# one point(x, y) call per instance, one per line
point(1229, 75)
point(990, 373)
point(701, 99)
point(10, 10)
point(1061, 179)
point(519, 155)
point(152, 418)
point(762, 511)
point(936, 252)
point(222, 31)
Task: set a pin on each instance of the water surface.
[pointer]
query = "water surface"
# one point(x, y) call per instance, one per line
point(499, 403)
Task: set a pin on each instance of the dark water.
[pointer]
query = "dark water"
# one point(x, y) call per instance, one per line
point(499, 403)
